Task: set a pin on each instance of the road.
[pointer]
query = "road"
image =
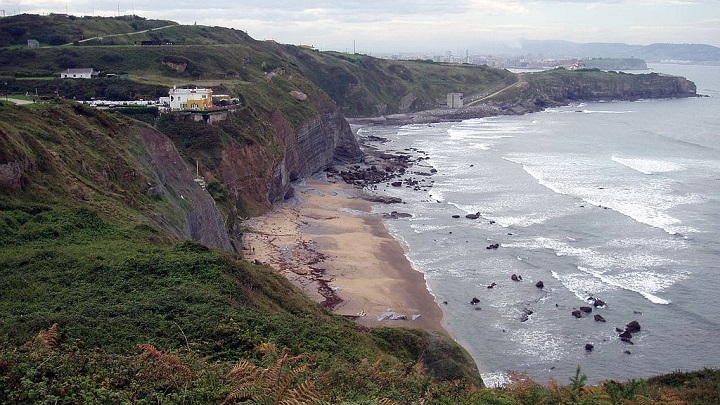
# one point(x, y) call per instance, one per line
point(18, 101)
point(125, 33)
point(521, 81)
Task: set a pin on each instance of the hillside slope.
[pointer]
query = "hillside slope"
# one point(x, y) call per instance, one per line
point(94, 208)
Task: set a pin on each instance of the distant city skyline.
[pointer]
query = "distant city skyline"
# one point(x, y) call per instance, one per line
point(432, 26)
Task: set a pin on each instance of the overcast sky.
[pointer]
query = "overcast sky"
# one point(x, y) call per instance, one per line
point(422, 25)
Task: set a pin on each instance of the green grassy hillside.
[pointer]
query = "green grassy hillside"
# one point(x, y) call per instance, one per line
point(58, 29)
point(367, 86)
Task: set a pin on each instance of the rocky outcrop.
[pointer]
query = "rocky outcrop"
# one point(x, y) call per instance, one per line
point(14, 174)
point(319, 143)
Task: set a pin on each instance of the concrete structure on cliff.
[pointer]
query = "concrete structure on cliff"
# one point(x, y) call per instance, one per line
point(455, 100)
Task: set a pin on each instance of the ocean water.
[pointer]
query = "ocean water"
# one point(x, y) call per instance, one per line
point(618, 201)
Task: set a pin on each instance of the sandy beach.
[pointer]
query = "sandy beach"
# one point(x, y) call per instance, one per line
point(328, 243)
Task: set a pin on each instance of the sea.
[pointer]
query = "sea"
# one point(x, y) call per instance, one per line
point(617, 201)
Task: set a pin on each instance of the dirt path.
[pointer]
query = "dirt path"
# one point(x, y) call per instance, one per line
point(125, 33)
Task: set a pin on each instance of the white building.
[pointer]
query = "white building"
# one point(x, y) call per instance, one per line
point(84, 73)
point(188, 99)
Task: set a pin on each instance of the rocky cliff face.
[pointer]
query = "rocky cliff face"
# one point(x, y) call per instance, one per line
point(322, 140)
point(201, 220)
point(259, 175)
point(594, 85)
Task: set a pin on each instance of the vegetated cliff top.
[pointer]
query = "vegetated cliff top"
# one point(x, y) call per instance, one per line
point(61, 29)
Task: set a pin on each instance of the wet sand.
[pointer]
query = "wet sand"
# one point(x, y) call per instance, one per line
point(327, 242)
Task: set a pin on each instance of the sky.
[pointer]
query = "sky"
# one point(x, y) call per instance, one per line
point(432, 26)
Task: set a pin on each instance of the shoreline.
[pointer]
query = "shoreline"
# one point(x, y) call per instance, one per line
point(327, 241)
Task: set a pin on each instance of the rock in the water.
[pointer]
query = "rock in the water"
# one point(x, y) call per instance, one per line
point(474, 301)
point(599, 318)
point(473, 216)
point(626, 335)
point(577, 314)
point(493, 246)
point(587, 310)
point(627, 340)
point(526, 314)
point(633, 327)
point(598, 303)
point(515, 277)
point(540, 284)
point(589, 347)
point(456, 216)
point(492, 285)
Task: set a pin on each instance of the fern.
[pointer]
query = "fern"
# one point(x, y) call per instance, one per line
point(284, 382)
point(49, 338)
point(167, 371)
point(579, 380)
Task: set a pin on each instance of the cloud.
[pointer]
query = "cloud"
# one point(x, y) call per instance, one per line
point(421, 24)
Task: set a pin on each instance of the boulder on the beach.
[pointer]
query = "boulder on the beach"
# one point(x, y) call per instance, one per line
point(599, 318)
point(589, 347)
point(492, 285)
point(540, 284)
point(474, 301)
point(456, 216)
point(515, 277)
point(493, 246)
point(577, 314)
point(587, 310)
point(633, 327)
point(396, 183)
point(473, 216)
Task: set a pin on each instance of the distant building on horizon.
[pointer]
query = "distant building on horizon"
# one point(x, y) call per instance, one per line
point(33, 43)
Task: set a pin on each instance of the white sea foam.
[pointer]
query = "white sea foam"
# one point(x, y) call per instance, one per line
point(647, 202)
point(538, 344)
point(520, 221)
point(649, 166)
point(643, 283)
point(633, 260)
point(496, 379)
point(581, 285)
